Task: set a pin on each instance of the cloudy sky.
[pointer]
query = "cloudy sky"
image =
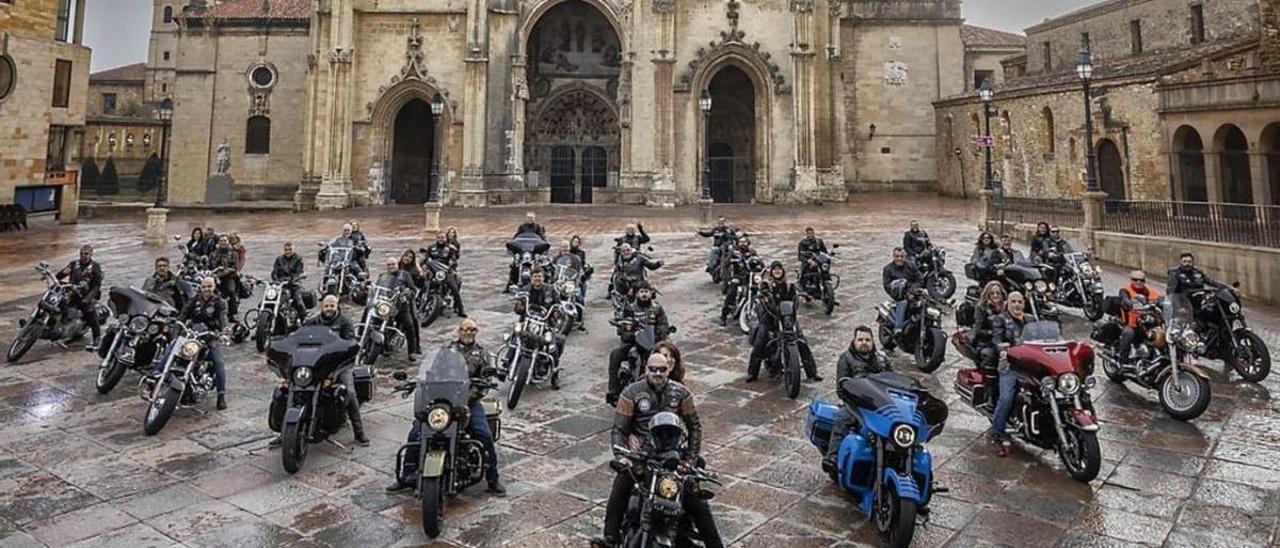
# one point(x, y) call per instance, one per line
point(117, 30)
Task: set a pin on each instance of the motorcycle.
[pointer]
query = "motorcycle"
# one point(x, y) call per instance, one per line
point(1164, 359)
point(435, 298)
point(655, 516)
point(310, 404)
point(339, 277)
point(639, 338)
point(820, 281)
point(784, 354)
point(1079, 283)
point(1032, 282)
point(922, 336)
point(1052, 408)
point(717, 260)
point(53, 319)
point(531, 356)
point(748, 294)
point(134, 337)
point(185, 378)
point(377, 333)
point(527, 251)
point(274, 316)
point(1228, 338)
point(566, 280)
point(884, 464)
point(448, 459)
point(940, 282)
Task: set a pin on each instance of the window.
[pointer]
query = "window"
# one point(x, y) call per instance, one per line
point(1197, 24)
point(262, 77)
point(8, 75)
point(164, 88)
point(61, 83)
point(1135, 35)
point(37, 199)
point(166, 56)
point(1047, 51)
point(64, 20)
point(258, 136)
point(1084, 41)
point(108, 103)
point(980, 76)
point(1047, 144)
point(55, 158)
point(168, 14)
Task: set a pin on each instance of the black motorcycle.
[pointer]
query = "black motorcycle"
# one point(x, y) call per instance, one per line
point(53, 319)
point(1221, 325)
point(922, 335)
point(530, 356)
point(638, 338)
point(377, 333)
point(434, 299)
point(784, 349)
point(819, 281)
point(655, 516)
point(572, 311)
point(134, 337)
point(186, 377)
point(527, 251)
point(746, 309)
point(340, 270)
point(448, 459)
point(1078, 282)
point(940, 282)
point(274, 316)
point(311, 402)
point(717, 262)
point(1031, 280)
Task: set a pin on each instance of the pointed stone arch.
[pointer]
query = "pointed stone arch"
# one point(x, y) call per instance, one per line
point(764, 87)
point(382, 120)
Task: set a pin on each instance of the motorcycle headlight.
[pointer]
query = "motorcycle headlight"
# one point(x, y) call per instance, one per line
point(755, 279)
point(668, 487)
point(138, 323)
point(440, 276)
point(1189, 339)
point(1069, 383)
point(302, 376)
point(153, 329)
point(271, 293)
point(1086, 269)
point(570, 287)
point(933, 313)
point(383, 309)
point(438, 419)
point(1234, 308)
point(190, 350)
point(1048, 383)
point(1041, 286)
point(517, 327)
point(1053, 286)
point(546, 337)
point(826, 266)
point(904, 435)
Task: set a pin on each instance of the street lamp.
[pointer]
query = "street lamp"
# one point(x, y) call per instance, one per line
point(1084, 69)
point(166, 116)
point(704, 102)
point(437, 108)
point(985, 93)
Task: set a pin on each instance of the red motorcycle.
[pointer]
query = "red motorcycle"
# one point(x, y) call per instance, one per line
point(1052, 408)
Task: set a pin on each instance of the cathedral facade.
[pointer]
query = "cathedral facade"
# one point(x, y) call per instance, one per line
point(478, 102)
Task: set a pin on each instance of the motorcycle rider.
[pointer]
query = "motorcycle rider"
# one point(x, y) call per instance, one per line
point(915, 241)
point(209, 309)
point(575, 247)
point(164, 282)
point(631, 266)
point(982, 347)
point(287, 269)
point(646, 311)
point(637, 405)
point(446, 253)
point(451, 237)
point(85, 275)
point(900, 269)
point(739, 277)
point(531, 225)
point(719, 234)
point(1007, 333)
point(860, 359)
point(1131, 293)
point(409, 265)
point(330, 316)
point(1186, 279)
point(198, 246)
point(362, 249)
point(630, 236)
point(807, 251)
point(225, 263)
point(982, 260)
point(348, 239)
point(540, 296)
point(396, 279)
point(572, 261)
point(777, 290)
point(478, 368)
point(1039, 239)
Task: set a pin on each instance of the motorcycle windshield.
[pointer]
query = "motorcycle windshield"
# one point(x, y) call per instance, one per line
point(338, 256)
point(381, 291)
point(565, 271)
point(877, 390)
point(1043, 332)
point(312, 346)
point(528, 242)
point(136, 302)
point(1178, 313)
point(442, 376)
point(1022, 273)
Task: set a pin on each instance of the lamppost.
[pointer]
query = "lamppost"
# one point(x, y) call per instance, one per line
point(985, 93)
point(704, 103)
point(1084, 69)
point(166, 116)
point(437, 108)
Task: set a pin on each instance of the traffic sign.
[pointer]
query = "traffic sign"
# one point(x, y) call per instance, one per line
point(985, 141)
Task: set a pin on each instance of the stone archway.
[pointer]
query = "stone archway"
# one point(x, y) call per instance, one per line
point(1110, 170)
point(412, 153)
point(731, 136)
point(1270, 145)
point(381, 137)
point(1188, 151)
point(1233, 160)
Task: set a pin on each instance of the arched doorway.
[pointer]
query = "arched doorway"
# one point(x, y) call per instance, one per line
point(1110, 170)
point(1233, 160)
point(412, 153)
point(573, 65)
point(1188, 151)
point(731, 134)
point(1271, 148)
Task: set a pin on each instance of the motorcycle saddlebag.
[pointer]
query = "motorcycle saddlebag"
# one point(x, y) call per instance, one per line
point(970, 271)
point(964, 314)
point(1111, 305)
point(363, 377)
point(819, 423)
point(309, 299)
point(279, 404)
point(1107, 332)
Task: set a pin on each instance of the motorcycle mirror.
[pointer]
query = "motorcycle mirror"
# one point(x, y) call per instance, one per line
point(1235, 285)
point(835, 246)
point(400, 376)
point(177, 237)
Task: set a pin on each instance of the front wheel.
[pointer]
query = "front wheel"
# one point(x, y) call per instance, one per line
point(792, 371)
point(1093, 307)
point(931, 350)
point(109, 374)
point(160, 410)
point(828, 298)
point(25, 339)
point(432, 506)
point(519, 379)
point(1186, 399)
point(293, 449)
point(1250, 358)
point(747, 318)
point(941, 284)
point(262, 331)
point(429, 310)
point(895, 518)
point(1081, 456)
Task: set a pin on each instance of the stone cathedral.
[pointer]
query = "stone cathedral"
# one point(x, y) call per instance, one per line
point(335, 103)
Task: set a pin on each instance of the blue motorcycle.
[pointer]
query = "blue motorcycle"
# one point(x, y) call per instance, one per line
point(882, 460)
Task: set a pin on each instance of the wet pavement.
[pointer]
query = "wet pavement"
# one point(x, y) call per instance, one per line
point(76, 469)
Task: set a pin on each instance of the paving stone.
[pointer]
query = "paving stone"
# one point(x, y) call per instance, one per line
point(274, 496)
point(160, 501)
point(137, 535)
point(80, 524)
point(39, 495)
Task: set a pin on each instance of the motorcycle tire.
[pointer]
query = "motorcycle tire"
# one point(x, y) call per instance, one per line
point(1255, 369)
point(429, 311)
point(886, 337)
point(931, 350)
point(1185, 407)
point(941, 285)
point(1112, 370)
point(1090, 457)
point(519, 378)
point(161, 410)
point(828, 299)
point(262, 331)
point(109, 377)
point(791, 370)
point(895, 518)
point(432, 506)
point(24, 341)
point(293, 447)
point(1093, 307)
point(747, 318)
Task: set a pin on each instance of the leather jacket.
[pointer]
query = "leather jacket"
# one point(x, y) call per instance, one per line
point(640, 401)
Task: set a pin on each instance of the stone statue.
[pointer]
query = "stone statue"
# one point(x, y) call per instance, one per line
point(224, 158)
point(377, 184)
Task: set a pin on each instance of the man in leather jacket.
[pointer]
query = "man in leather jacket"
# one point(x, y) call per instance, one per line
point(900, 269)
point(288, 268)
point(359, 248)
point(638, 404)
point(85, 274)
point(1136, 290)
point(395, 278)
point(330, 316)
point(631, 237)
point(721, 234)
point(479, 368)
point(647, 312)
point(915, 241)
point(777, 290)
point(540, 294)
point(224, 262)
point(531, 225)
point(1186, 279)
point(164, 282)
point(631, 267)
point(209, 309)
point(1007, 334)
point(860, 359)
point(445, 253)
point(807, 251)
point(739, 277)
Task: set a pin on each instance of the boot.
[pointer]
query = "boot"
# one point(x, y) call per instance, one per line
point(93, 343)
point(397, 487)
point(497, 488)
point(222, 402)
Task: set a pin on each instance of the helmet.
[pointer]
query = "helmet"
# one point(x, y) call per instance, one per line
point(666, 429)
point(898, 289)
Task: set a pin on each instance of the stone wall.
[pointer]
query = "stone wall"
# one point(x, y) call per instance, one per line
point(146, 140)
point(976, 59)
point(125, 93)
point(164, 38)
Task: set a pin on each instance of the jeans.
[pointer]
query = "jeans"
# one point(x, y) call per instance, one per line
point(86, 305)
point(845, 422)
point(347, 378)
point(616, 357)
point(1008, 389)
point(407, 322)
point(899, 315)
point(227, 286)
point(698, 511)
point(479, 429)
point(582, 295)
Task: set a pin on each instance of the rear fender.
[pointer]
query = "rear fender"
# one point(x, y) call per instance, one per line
point(905, 486)
point(433, 463)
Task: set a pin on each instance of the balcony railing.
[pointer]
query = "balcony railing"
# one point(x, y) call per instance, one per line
point(1063, 212)
point(1242, 224)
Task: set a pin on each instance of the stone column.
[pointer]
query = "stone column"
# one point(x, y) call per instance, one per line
point(704, 213)
point(432, 217)
point(335, 184)
point(802, 100)
point(157, 222)
point(1213, 175)
point(984, 198)
point(664, 59)
point(474, 103)
point(1094, 211)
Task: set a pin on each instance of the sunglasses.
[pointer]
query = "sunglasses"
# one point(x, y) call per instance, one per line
point(657, 369)
point(469, 330)
point(1138, 280)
